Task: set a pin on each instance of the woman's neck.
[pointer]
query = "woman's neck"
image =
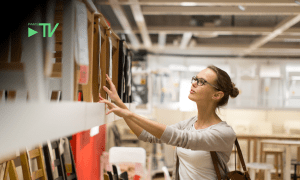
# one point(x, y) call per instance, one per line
point(206, 116)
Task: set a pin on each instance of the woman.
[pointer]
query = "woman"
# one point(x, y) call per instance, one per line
point(194, 137)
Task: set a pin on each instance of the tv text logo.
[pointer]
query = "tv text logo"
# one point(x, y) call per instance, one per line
point(46, 26)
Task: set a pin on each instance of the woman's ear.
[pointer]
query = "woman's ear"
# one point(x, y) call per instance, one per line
point(218, 95)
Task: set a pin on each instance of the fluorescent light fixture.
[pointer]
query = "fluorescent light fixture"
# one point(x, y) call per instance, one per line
point(291, 40)
point(293, 68)
point(268, 71)
point(177, 67)
point(242, 8)
point(295, 78)
point(297, 2)
point(194, 68)
point(188, 4)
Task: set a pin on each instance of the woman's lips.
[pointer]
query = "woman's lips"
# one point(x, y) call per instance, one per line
point(191, 92)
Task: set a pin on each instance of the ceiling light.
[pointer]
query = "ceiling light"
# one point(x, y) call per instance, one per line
point(242, 8)
point(297, 2)
point(194, 68)
point(188, 4)
point(291, 40)
point(177, 67)
point(295, 78)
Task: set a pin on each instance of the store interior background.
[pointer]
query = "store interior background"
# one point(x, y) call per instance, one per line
point(256, 44)
point(179, 39)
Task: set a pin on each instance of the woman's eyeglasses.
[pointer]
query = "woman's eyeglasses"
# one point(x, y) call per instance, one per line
point(201, 82)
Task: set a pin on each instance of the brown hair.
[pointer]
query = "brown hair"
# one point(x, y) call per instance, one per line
point(224, 84)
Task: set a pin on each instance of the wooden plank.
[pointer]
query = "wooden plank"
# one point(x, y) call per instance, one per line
point(58, 46)
point(57, 70)
point(107, 57)
point(6, 171)
point(103, 54)
point(41, 165)
point(96, 60)
point(58, 60)
point(34, 153)
point(25, 166)
point(12, 170)
point(37, 174)
point(58, 17)
point(14, 66)
point(115, 61)
point(59, 5)
point(87, 89)
point(11, 95)
point(76, 81)
point(58, 54)
point(58, 36)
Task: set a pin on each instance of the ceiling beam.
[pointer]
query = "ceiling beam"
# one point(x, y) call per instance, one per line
point(219, 30)
point(210, 2)
point(162, 38)
point(284, 38)
point(185, 39)
point(218, 10)
point(116, 7)
point(230, 49)
point(140, 21)
point(239, 47)
point(282, 26)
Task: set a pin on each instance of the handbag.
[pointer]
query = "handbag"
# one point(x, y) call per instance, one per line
point(232, 175)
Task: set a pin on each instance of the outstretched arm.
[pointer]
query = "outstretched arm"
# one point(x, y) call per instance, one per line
point(154, 128)
point(135, 122)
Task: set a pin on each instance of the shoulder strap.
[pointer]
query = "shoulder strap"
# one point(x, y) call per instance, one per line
point(240, 155)
point(242, 159)
point(216, 161)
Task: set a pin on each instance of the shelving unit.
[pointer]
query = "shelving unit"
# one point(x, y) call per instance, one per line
point(30, 118)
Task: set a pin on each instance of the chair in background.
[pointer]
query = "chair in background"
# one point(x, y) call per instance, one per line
point(133, 155)
point(265, 128)
point(239, 127)
point(166, 173)
point(260, 166)
point(292, 127)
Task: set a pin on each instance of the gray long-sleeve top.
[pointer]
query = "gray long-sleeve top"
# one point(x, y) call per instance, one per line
point(219, 137)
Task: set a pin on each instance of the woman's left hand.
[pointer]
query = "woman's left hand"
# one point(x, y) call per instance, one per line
point(115, 109)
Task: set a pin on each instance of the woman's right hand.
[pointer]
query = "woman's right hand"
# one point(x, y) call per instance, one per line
point(112, 93)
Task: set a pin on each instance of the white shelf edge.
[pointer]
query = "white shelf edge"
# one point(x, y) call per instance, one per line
point(29, 124)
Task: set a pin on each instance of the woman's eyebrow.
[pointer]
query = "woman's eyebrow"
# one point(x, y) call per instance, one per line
point(200, 78)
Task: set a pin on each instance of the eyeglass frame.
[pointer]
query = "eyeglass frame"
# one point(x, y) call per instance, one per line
point(194, 77)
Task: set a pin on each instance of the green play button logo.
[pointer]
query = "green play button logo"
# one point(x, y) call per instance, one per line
point(31, 32)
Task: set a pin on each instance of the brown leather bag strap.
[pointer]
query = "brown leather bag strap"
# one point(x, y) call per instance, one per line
point(216, 161)
point(242, 159)
point(240, 155)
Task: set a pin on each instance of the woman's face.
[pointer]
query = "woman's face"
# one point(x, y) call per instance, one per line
point(203, 93)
